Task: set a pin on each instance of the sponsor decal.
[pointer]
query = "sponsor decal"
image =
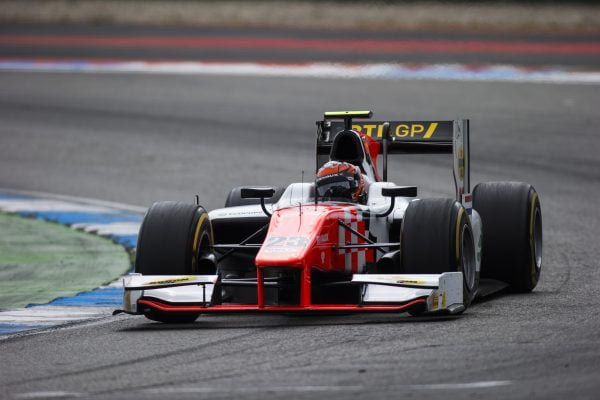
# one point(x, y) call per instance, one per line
point(323, 239)
point(410, 282)
point(435, 301)
point(467, 201)
point(404, 130)
point(171, 281)
point(461, 162)
point(126, 298)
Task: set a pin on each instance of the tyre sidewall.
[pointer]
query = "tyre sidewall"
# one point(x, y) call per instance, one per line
point(461, 225)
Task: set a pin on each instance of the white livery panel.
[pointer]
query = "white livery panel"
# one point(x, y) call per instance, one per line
point(443, 292)
point(170, 288)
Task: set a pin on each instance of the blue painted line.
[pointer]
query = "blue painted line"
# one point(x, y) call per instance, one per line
point(70, 218)
point(5, 196)
point(108, 297)
point(14, 328)
point(127, 241)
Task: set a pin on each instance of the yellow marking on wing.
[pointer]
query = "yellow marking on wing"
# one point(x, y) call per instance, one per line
point(430, 130)
point(362, 113)
point(171, 281)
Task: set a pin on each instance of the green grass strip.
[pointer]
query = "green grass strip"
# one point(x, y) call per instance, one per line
point(40, 261)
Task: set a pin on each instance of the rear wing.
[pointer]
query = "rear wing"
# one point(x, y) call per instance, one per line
point(401, 137)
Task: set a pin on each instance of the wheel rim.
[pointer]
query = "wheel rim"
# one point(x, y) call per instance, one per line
point(537, 238)
point(468, 257)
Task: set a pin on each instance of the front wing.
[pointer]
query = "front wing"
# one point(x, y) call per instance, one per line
point(379, 293)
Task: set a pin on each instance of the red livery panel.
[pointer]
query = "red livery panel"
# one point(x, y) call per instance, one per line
point(304, 237)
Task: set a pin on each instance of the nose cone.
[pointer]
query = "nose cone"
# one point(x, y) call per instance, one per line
point(291, 236)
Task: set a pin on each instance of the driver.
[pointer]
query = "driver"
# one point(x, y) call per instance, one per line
point(341, 181)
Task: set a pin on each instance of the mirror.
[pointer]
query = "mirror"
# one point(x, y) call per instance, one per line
point(257, 193)
point(399, 191)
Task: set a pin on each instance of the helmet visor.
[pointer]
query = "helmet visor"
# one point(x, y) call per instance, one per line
point(336, 187)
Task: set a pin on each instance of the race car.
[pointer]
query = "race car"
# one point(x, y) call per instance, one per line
point(310, 248)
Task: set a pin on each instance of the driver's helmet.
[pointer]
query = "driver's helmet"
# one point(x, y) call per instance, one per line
point(340, 181)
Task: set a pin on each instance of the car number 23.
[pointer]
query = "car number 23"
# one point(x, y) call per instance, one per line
point(286, 241)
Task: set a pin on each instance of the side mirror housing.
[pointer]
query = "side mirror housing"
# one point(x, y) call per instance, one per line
point(261, 193)
point(399, 191)
point(257, 193)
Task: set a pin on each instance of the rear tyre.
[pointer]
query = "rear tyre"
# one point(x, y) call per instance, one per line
point(174, 239)
point(512, 233)
point(437, 237)
point(234, 198)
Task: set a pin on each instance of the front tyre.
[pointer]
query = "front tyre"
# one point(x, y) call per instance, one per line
point(174, 239)
point(512, 233)
point(437, 237)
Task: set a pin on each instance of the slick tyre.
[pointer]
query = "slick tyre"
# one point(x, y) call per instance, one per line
point(174, 239)
point(512, 233)
point(436, 237)
point(234, 198)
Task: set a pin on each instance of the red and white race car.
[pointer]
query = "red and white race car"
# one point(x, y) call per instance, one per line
point(297, 250)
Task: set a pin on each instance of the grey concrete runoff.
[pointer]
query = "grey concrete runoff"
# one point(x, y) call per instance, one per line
point(371, 15)
point(139, 139)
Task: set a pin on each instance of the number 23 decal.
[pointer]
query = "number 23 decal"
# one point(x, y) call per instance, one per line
point(286, 241)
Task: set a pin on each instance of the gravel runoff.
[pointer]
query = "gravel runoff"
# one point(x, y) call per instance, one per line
point(308, 14)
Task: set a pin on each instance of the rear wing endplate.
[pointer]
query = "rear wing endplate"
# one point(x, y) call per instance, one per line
point(416, 137)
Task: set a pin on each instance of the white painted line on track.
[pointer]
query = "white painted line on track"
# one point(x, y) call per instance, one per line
point(52, 315)
point(300, 389)
point(106, 319)
point(116, 228)
point(261, 389)
point(40, 205)
point(391, 71)
point(48, 395)
point(77, 200)
point(460, 386)
point(166, 391)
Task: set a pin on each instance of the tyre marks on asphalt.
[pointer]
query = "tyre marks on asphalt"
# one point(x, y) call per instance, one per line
point(120, 225)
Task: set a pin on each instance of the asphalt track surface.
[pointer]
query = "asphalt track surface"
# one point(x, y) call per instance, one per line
point(141, 138)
